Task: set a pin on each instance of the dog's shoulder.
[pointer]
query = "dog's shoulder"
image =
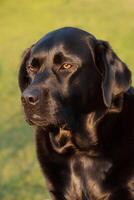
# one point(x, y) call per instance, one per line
point(128, 110)
point(130, 92)
point(129, 99)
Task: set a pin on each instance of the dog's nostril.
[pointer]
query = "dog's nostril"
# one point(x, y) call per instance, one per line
point(33, 100)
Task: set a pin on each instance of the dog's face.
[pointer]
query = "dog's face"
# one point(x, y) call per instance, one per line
point(67, 74)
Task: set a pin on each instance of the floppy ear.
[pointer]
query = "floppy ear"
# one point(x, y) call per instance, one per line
point(23, 76)
point(116, 77)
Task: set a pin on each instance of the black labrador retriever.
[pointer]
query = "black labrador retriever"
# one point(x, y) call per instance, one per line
point(78, 95)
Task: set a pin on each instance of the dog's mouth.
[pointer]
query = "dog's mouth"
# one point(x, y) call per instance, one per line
point(37, 120)
point(46, 123)
point(40, 116)
point(57, 118)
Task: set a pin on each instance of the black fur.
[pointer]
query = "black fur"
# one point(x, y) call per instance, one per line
point(78, 95)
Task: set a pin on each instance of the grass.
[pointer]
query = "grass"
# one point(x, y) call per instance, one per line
point(22, 23)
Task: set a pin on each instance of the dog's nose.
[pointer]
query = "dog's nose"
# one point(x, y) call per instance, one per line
point(30, 97)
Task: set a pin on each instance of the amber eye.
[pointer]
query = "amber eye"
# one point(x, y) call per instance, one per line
point(32, 69)
point(66, 66)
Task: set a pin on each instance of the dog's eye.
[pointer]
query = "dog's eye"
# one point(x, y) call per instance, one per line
point(32, 69)
point(66, 66)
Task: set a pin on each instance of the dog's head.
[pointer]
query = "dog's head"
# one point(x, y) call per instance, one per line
point(69, 73)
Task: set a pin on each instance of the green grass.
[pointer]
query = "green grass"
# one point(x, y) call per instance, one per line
point(21, 24)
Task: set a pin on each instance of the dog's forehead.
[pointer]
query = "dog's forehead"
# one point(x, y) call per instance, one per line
point(71, 40)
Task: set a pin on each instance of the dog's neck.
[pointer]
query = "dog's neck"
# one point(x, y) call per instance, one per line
point(84, 136)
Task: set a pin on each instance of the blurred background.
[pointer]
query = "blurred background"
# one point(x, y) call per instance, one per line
point(22, 23)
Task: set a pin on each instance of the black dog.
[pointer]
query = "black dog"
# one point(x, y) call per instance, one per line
point(77, 93)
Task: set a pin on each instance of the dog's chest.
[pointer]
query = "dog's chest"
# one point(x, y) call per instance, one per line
point(87, 175)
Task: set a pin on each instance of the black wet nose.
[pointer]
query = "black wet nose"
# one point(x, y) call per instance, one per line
point(30, 97)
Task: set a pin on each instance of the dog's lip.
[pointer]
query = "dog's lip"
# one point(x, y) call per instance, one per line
point(37, 120)
point(35, 116)
point(31, 120)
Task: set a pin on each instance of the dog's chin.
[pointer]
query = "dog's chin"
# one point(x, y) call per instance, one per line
point(40, 123)
point(36, 120)
point(50, 125)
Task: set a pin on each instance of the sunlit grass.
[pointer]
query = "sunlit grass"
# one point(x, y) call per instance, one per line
point(22, 23)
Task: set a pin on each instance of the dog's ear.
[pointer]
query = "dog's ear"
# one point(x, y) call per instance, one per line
point(116, 77)
point(23, 76)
